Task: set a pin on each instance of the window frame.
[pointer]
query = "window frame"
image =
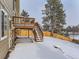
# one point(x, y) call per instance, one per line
point(5, 14)
point(14, 4)
point(2, 24)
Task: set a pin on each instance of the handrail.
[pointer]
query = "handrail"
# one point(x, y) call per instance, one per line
point(22, 17)
point(40, 29)
point(24, 23)
point(17, 19)
point(36, 24)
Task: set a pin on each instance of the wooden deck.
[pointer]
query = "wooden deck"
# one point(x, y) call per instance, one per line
point(27, 24)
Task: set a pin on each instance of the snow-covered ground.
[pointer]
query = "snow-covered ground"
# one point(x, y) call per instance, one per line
point(51, 48)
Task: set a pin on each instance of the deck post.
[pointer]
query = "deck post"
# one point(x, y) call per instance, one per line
point(28, 33)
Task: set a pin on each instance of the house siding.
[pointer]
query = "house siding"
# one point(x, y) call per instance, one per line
point(3, 48)
point(6, 5)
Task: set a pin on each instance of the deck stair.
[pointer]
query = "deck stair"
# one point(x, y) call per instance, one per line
point(38, 31)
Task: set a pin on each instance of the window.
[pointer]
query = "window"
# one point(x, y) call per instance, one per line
point(2, 23)
point(14, 4)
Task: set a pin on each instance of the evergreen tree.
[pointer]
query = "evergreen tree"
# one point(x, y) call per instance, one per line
point(55, 16)
point(24, 13)
point(69, 29)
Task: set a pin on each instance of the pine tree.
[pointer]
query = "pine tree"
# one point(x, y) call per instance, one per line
point(55, 16)
point(24, 13)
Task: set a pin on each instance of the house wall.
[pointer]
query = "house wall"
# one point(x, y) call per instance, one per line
point(3, 48)
point(6, 42)
point(8, 6)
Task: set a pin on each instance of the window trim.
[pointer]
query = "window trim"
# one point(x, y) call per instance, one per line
point(14, 4)
point(3, 38)
point(2, 24)
point(5, 14)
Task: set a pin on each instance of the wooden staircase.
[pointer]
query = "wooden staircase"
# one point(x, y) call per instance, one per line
point(38, 33)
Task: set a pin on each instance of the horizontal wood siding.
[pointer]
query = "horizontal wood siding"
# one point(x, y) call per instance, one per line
point(8, 6)
point(4, 46)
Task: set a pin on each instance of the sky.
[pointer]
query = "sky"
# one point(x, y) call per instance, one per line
point(71, 8)
point(34, 8)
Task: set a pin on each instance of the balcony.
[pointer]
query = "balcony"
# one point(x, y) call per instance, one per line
point(22, 22)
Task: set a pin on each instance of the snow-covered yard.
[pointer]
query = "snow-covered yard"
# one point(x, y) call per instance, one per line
point(51, 48)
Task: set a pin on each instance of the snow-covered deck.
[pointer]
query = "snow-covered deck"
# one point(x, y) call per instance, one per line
point(51, 48)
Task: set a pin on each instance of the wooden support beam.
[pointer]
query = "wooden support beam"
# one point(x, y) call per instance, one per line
point(28, 33)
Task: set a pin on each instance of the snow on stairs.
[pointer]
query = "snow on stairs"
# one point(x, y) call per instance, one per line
point(39, 34)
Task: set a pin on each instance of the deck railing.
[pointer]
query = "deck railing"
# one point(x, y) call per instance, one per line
point(22, 22)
